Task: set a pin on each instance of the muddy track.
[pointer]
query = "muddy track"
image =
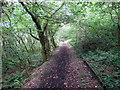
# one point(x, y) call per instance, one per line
point(64, 71)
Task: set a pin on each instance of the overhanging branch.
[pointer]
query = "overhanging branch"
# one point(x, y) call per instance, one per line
point(33, 35)
point(46, 25)
point(58, 9)
point(34, 18)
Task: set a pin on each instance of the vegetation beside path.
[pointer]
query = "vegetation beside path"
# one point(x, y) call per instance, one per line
point(64, 70)
point(31, 31)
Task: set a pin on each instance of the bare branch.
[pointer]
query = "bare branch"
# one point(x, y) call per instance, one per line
point(54, 20)
point(33, 35)
point(27, 9)
point(34, 18)
point(42, 7)
point(8, 18)
point(58, 9)
point(46, 25)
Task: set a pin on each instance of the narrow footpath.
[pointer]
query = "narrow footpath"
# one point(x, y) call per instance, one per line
point(63, 70)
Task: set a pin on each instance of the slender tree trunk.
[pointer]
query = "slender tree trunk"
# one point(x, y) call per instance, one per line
point(42, 38)
point(51, 34)
point(53, 42)
point(45, 45)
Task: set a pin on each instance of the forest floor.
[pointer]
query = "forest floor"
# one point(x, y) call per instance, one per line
point(63, 70)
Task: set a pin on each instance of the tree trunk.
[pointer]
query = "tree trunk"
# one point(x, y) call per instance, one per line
point(45, 45)
point(42, 38)
point(53, 42)
point(51, 34)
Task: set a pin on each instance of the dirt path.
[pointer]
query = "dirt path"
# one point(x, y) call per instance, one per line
point(63, 71)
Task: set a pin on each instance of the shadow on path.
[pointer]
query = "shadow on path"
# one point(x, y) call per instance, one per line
point(63, 70)
point(55, 77)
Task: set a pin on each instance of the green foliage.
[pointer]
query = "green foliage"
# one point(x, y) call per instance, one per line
point(107, 66)
point(97, 38)
point(15, 79)
point(93, 29)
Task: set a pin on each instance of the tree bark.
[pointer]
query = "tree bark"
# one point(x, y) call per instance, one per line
point(42, 38)
point(53, 42)
point(45, 45)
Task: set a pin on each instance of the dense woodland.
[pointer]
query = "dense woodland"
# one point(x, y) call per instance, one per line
point(31, 31)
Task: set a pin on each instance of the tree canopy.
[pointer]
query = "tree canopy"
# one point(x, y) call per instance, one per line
point(31, 31)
